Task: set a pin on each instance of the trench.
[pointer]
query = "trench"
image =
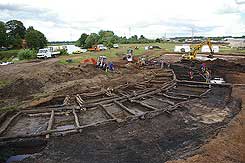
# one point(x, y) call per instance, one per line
point(157, 137)
point(18, 150)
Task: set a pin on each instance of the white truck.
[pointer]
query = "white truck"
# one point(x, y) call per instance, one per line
point(101, 47)
point(47, 53)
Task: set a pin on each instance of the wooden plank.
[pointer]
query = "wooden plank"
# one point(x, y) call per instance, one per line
point(42, 110)
point(144, 104)
point(183, 94)
point(108, 113)
point(3, 116)
point(204, 93)
point(124, 107)
point(50, 123)
point(203, 83)
point(6, 125)
point(48, 114)
point(76, 118)
point(172, 97)
point(193, 86)
point(161, 100)
point(102, 99)
point(80, 102)
point(117, 99)
point(158, 81)
point(56, 131)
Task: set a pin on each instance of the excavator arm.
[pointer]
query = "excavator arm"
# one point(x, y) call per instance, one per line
point(192, 55)
point(210, 47)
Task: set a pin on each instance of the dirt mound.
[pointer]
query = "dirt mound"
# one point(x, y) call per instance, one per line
point(223, 64)
point(21, 88)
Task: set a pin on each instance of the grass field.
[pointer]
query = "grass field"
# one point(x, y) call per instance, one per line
point(228, 50)
point(8, 55)
point(111, 53)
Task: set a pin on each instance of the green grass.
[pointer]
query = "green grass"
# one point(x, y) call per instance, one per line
point(112, 53)
point(8, 55)
point(227, 50)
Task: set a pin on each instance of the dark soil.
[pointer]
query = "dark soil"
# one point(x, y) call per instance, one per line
point(21, 88)
point(157, 139)
point(150, 139)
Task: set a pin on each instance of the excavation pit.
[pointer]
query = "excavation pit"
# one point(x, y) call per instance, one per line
point(154, 120)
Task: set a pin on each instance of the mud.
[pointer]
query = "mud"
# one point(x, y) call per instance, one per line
point(151, 140)
point(158, 127)
point(155, 138)
point(21, 88)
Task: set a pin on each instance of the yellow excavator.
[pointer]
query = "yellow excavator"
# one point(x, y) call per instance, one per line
point(192, 55)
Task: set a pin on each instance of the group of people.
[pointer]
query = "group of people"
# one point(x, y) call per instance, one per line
point(203, 72)
point(102, 64)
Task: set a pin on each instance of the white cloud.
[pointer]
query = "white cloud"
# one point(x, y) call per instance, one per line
point(66, 20)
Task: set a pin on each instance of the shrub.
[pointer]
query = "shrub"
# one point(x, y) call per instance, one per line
point(27, 54)
point(63, 52)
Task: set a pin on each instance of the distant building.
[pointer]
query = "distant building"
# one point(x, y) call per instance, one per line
point(236, 43)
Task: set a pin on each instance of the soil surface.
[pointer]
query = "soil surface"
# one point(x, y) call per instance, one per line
point(202, 129)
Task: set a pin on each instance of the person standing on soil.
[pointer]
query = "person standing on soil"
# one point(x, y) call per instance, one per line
point(207, 75)
point(190, 74)
point(203, 67)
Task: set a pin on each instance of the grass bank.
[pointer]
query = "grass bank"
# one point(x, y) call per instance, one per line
point(8, 55)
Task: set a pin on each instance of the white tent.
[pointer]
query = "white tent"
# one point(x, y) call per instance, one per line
point(205, 49)
point(182, 48)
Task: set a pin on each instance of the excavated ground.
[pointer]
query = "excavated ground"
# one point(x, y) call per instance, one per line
point(131, 116)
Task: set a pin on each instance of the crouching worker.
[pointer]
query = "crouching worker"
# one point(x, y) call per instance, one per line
point(111, 66)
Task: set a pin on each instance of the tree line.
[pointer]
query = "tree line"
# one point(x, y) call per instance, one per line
point(13, 34)
point(108, 38)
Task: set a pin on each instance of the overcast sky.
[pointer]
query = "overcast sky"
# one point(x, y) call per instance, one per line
point(67, 20)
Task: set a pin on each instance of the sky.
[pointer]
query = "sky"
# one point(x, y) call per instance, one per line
point(62, 20)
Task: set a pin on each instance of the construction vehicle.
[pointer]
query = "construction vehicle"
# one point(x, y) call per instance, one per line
point(99, 47)
point(129, 55)
point(192, 54)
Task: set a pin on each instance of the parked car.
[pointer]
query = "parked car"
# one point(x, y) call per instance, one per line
point(5, 63)
point(217, 81)
point(3, 48)
point(115, 46)
point(99, 47)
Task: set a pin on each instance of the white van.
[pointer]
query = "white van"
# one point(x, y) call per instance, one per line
point(46, 53)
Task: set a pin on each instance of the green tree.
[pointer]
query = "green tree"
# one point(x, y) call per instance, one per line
point(107, 38)
point(91, 40)
point(14, 41)
point(81, 41)
point(3, 35)
point(15, 27)
point(35, 39)
point(123, 40)
point(158, 40)
point(133, 39)
point(16, 32)
point(142, 39)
